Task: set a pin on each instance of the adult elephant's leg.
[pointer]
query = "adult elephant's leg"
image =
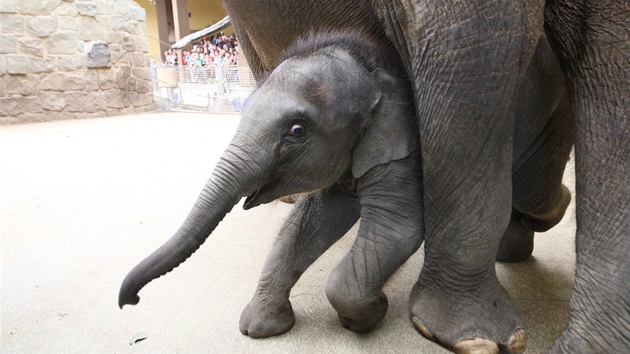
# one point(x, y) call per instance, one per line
point(391, 231)
point(591, 40)
point(467, 58)
point(316, 222)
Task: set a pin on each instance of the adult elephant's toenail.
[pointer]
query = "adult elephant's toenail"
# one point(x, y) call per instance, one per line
point(422, 328)
point(516, 343)
point(476, 346)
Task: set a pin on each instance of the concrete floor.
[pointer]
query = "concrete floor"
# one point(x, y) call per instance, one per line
point(83, 201)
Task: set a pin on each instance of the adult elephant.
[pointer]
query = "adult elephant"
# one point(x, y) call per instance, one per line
point(466, 56)
point(466, 61)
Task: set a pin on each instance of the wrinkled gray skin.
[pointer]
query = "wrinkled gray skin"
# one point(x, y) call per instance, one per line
point(466, 61)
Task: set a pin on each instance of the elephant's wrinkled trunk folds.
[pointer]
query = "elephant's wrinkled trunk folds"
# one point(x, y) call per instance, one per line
point(223, 190)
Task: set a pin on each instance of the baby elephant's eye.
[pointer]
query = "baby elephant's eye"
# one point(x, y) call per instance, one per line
point(296, 130)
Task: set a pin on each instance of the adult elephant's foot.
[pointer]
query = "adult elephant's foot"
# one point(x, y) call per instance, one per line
point(571, 343)
point(478, 321)
point(260, 320)
point(544, 220)
point(517, 243)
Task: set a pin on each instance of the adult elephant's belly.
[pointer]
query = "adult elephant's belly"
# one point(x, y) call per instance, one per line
point(273, 25)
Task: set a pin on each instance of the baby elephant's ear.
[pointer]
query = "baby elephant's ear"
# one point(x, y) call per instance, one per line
point(391, 133)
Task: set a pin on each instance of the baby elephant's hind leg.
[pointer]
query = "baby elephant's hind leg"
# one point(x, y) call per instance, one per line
point(539, 197)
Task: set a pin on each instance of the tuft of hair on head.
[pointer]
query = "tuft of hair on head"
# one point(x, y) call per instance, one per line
point(359, 45)
point(369, 51)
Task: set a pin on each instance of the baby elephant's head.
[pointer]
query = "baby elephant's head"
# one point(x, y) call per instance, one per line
point(317, 117)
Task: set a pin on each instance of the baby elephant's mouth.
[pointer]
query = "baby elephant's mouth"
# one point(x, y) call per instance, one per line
point(251, 200)
point(268, 192)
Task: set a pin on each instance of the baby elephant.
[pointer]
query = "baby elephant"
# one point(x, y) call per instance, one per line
point(335, 117)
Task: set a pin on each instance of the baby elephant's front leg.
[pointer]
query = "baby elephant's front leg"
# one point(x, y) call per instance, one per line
point(316, 222)
point(391, 231)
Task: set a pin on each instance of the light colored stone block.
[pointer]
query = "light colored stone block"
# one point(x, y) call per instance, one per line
point(133, 27)
point(17, 64)
point(91, 30)
point(41, 26)
point(123, 7)
point(108, 78)
point(20, 84)
point(91, 78)
point(10, 106)
point(8, 6)
point(62, 42)
point(104, 7)
point(42, 65)
point(37, 7)
point(66, 9)
point(118, 22)
point(138, 14)
point(30, 45)
point(69, 62)
point(100, 101)
point(115, 99)
point(142, 73)
point(67, 23)
point(7, 44)
point(140, 100)
point(143, 86)
point(129, 44)
point(62, 81)
point(86, 8)
point(139, 60)
point(142, 44)
point(11, 23)
point(77, 101)
point(52, 100)
point(31, 104)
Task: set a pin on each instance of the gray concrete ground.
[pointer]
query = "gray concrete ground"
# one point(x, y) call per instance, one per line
point(83, 201)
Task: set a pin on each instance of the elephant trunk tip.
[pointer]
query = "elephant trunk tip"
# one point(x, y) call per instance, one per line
point(127, 300)
point(127, 295)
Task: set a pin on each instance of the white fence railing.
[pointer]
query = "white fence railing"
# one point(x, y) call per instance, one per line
point(219, 89)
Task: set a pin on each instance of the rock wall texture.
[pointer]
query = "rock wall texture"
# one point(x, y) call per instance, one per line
point(62, 59)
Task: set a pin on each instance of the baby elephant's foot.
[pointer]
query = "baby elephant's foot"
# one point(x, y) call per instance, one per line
point(260, 320)
point(545, 220)
point(356, 313)
point(517, 243)
point(483, 322)
point(365, 319)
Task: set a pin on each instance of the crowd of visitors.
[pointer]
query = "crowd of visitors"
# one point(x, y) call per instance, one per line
point(219, 50)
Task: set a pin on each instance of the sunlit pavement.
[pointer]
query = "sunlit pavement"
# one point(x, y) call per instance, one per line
point(83, 201)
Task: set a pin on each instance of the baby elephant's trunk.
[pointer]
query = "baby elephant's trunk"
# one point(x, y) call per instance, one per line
point(222, 191)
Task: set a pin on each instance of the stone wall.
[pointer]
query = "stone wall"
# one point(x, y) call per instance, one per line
point(62, 59)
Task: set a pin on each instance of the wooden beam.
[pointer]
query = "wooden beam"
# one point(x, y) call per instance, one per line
point(180, 18)
point(164, 14)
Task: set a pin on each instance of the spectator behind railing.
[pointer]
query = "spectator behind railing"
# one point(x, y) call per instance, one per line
point(220, 50)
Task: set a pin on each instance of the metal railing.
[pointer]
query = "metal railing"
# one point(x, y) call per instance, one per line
point(217, 89)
